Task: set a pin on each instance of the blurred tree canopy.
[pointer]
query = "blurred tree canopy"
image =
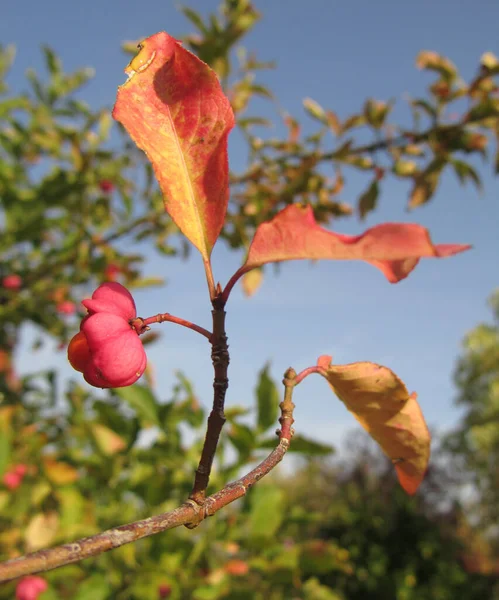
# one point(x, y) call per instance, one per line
point(75, 195)
point(476, 441)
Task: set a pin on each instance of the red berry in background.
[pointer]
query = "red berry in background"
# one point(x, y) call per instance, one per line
point(21, 469)
point(12, 282)
point(108, 350)
point(12, 480)
point(164, 591)
point(106, 186)
point(66, 307)
point(111, 271)
point(236, 567)
point(29, 588)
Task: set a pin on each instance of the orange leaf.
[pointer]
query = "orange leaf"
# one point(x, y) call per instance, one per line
point(394, 248)
point(175, 110)
point(381, 403)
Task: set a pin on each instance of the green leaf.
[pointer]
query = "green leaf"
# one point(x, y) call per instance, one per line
point(53, 62)
point(426, 106)
point(464, 171)
point(314, 590)
point(195, 18)
point(243, 439)
point(425, 184)
point(268, 399)
point(142, 400)
point(368, 200)
point(428, 59)
point(266, 514)
point(489, 107)
point(376, 112)
point(249, 121)
point(301, 445)
point(4, 452)
point(144, 282)
point(315, 110)
point(94, 587)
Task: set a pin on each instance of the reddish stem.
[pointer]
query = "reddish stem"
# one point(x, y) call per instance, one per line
point(233, 280)
point(161, 318)
point(306, 372)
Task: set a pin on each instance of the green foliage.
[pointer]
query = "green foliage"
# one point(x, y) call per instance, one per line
point(476, 441)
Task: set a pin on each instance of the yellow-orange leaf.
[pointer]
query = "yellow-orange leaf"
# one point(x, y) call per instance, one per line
point(175, 110)
point(252, 281)
point(381, 403)
point(41, 531)
point(60, 473)
point(394, 248)
point(108, 441)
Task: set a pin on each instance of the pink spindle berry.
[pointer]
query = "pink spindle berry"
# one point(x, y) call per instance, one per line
point(108, 350)
point(12, 282)
point(12, 480)
point(106, 186)
point(29, 588)
point(111, 271)
point(21, 469)
point(66, 307)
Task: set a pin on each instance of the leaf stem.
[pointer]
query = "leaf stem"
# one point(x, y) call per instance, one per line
point(161, 318)
point(233, 280)
point(189, 513)
point(306, 372)
point(209, 278)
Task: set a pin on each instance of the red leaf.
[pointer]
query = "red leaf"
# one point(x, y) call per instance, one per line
point(394, 248)
point(175, 110)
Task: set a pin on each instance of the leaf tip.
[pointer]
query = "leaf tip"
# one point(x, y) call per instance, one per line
point(409, 483)
point(324, 361)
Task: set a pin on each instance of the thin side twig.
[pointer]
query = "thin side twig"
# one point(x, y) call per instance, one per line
point(189, 513)
point(167, 317)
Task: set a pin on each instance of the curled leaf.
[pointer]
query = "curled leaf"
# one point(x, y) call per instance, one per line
point(175, 110)
point(428, 59)
point(381, 403)
point(394, 248)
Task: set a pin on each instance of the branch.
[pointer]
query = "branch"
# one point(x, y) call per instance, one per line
point(189, 513)
point(220, 358)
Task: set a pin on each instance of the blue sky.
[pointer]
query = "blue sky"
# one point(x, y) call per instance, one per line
point(338, 53)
